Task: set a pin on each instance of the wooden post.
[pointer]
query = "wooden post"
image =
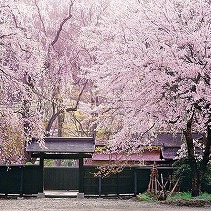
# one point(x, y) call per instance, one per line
point(117, 182)
point(81, 174)
point(135, 183)
point(21, 181)
point(41, 192)
point(99, 185)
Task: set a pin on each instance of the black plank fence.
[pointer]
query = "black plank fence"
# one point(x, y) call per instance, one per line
point(20, 180)
point(28, 180)
point(61, 178)
point(132, 180)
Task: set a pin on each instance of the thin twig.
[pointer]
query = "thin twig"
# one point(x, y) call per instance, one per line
point(40, 17)
point(62, 24)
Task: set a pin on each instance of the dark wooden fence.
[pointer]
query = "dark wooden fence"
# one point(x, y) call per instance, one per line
point(61, 178)
point(132, 180)
point(28, 180)
point(120, 183)
point(20, 180)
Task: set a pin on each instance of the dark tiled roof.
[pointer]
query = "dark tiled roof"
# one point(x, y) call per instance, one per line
point(146, 155)
point(169, 143)
point(101, 143)
point(169, 152)
point(64, 145)
point(168, 139)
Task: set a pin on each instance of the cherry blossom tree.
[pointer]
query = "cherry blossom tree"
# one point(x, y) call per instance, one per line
point(21, 58)
point(152, 64)
point(183, 61)
point(147, 61)
point(63, 84)
point(40, 62)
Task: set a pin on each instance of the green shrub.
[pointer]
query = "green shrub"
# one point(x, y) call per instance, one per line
point(206, 181)
point(146, 197)
point(182, 171)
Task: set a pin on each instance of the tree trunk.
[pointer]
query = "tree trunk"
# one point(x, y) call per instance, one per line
point(206, 155)
point(195, 179)
point(27, 129)
point(60, 124)
point(61, 117)
point(192, 161)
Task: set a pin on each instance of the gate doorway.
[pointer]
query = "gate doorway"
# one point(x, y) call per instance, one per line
point(61, 178)
point(61, 181)
point(76, 148)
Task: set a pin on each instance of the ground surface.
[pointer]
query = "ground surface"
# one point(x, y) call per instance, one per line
point(65, 204)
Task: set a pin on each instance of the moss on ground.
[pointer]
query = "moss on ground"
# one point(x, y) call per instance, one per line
point(180, 199)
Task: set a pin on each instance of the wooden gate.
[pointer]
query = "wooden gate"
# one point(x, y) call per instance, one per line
point(61, 178)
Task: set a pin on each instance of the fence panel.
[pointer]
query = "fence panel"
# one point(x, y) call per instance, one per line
point(20, 180)
point(120, 183)
point(10, 180)
point(61, 178)
point(110, 185)
point(142, 176)
point(91, 183)
point(32, 180)
point(126, 181)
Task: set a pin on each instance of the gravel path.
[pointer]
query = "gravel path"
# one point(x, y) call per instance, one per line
point(65, 204)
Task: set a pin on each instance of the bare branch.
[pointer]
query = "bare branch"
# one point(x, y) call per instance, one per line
point(174, 121)
point(29, 53)
point(142, 135)
point(40, 17)
point(62, 24)
point(7, 35)
point(80, 125)
point(80, 94)
point(16, 23)
point(10, 77)
point(55, 115)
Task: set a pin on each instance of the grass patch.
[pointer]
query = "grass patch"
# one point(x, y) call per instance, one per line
point(185, 199)
point(181, 195)
point(187, 195)
point(146, 197)
point(179, 199)
point(204, 196)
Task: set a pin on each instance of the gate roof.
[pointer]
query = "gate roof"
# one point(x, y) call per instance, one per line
point(63, 145)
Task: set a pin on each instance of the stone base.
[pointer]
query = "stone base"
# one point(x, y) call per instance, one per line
point(41, 195)
point(80, 195)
